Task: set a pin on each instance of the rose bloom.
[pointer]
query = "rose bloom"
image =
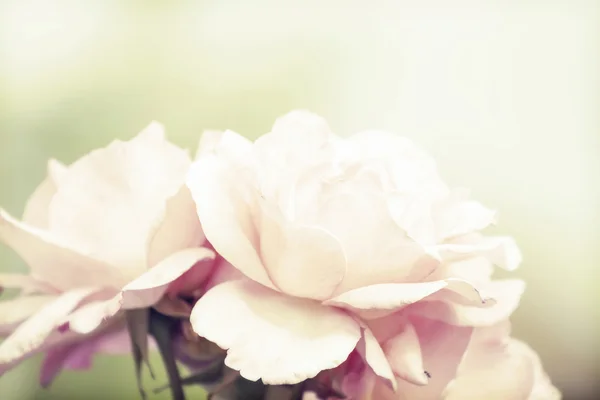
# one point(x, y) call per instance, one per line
point(115, 230)
point(331, 237)
point(465, 363)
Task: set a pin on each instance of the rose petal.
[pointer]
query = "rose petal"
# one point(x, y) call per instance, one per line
point(281, 339)
point(194, 280)
point(375, 358)
point(55, 339)
point(492, 371)
point(297, 139)
point(458, 215)
point(298, 142)
point(116, 342)
point(380, 392)
point(386, 296)
point(542, 387)
point(377, 250)
point(16, 310)
point(90, 317)
point(32, 333)
point(36, 208)
point(143, 292)
point(413, 213)
point(442, 348)
point(71, 356)
point(130, 182)
point(463, 292)
point(413, 184)
point(78, 355)
point(391, 297)
point(209, 142)
point(55, 262)
point(230, 145)
point(26, 283)
point(225, 216)
point(180, 228)
point(302, 261)
point(57, 171)
point(505, 293)
point(501, 251)
point(404, 353)
point(478, 270)
point(53, 364)
point(223, 272)
point(147, 289)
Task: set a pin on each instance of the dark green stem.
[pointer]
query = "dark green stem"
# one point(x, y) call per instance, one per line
point(161, 328)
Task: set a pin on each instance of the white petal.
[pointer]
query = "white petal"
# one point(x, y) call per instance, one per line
point(296, 140)
point(225, 215)
point(507, 372)
point(109, 202)
point(302, 261)
point(506, 295)
point(150, 286)
point(386, 296)
point(54, 261)
point(90, 317)
point(382, 299)
point(404, 353)
point(377, 250)
point(179, 229)
point(457, 215)
point(209, 141)
point(144, 291)
point(442, 348)
point(374, 356)
point(32, 333)
point(36, 208)
point(500, 250)
point(17, 310)
point(26, 283)
point(281, 339)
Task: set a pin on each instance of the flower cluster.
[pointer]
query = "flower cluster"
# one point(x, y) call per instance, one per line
point(303, 265)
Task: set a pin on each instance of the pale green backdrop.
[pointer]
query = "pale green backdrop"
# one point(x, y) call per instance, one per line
point(504, 94)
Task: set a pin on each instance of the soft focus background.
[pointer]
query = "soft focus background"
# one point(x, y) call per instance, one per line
point(505, 94)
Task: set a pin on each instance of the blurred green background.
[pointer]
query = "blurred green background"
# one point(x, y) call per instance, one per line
point(503, 93)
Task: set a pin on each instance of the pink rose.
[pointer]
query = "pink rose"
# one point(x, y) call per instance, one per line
point(115, 230)
point(329, 234)
point(464, 363)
